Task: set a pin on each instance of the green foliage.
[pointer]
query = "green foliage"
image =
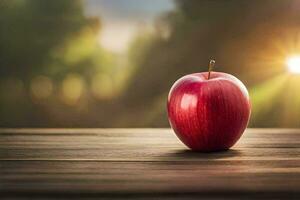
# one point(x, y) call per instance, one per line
point(51, 47)
point(47, 45)
point(31, 29)
point(249, 39)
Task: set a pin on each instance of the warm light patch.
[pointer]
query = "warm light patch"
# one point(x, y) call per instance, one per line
point(72, 88)
point(102, 86)
point(116, 37)
point(41, 87)
point(293, 64)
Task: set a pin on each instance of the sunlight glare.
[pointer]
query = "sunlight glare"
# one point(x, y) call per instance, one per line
point(293, 64)
point(117, 37)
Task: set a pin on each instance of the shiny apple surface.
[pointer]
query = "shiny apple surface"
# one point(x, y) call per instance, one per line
point(208, 114)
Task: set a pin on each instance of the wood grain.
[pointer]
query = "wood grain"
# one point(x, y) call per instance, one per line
point(140, 163)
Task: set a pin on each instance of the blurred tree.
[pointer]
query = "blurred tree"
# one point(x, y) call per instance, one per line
point(249, 39)
point(47, 47)
point(30, 29)
point(51, 47)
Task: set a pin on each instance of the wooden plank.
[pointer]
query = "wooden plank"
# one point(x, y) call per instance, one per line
point(131, 177)
point(140, 163)
point(136, 145)
point(123, 131)
point(146, 154)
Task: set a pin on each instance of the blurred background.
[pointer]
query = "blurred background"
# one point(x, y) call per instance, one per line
point(111, 63)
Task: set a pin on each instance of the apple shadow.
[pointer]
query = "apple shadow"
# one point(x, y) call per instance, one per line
point(192, 155)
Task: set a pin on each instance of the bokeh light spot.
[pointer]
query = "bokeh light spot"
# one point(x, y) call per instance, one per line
point(11, 89)
point(41, 87)
point(72, 88)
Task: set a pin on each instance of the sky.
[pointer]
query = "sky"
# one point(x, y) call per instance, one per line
point(121, 19)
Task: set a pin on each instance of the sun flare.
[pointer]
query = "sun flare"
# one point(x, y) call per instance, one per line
point(293, 64)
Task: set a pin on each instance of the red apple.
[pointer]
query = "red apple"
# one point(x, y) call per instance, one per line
point(209, 111)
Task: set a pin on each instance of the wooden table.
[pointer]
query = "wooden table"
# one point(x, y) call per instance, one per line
point(146, 164)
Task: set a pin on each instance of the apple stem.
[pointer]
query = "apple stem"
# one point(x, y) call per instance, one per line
point(211, 65)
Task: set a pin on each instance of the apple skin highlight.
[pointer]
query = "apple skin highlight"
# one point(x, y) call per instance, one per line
point(208, 114)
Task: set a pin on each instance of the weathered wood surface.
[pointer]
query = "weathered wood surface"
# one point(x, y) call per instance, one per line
point(140, 163)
